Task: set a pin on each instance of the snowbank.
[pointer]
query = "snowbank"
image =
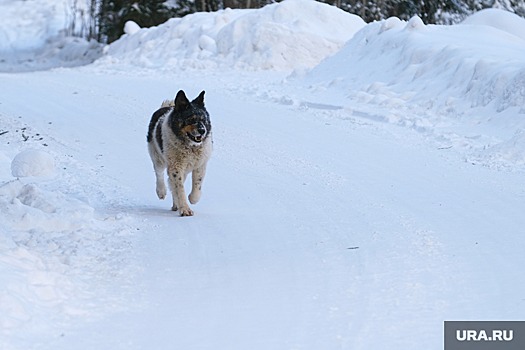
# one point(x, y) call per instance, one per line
point(51, 247)
point(442, 67)
point(29, 24)
point(281, 36)
point(56, 251)
point(49, 243)
point(32, 37)
point(463, 84)
point(27, 207)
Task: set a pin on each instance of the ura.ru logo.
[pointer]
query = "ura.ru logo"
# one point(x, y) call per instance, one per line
point(482, 335)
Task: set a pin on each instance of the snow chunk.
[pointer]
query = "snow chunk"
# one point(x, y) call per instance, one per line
point(415, 23)
point(131, 28)
point(32, 162)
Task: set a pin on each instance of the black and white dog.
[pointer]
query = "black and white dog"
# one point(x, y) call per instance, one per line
point(180, 140)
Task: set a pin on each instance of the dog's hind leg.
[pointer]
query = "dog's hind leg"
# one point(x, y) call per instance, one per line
point(197, 177)
point(159, 165)
point(160, 186)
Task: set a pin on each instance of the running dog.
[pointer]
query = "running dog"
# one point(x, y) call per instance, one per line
point(180, 140)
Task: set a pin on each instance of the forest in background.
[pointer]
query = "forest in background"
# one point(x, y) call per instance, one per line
point(103, 20)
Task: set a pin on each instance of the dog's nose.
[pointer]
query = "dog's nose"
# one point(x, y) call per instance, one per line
point(201, 129)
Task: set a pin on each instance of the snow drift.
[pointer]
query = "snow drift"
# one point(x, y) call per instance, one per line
point(49, 242)
point(442, 67)
point(280, 36)
point(463, 83)
point(53, 242)
point(29, 24)
point(32, 37)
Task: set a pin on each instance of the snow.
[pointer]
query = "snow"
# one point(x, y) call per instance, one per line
point(499, 19)
point(32, 162)
point(27, 24)
point(443, 80)
point(349, 203)
point(278, 37)
point(131, 27)
point(33, 37)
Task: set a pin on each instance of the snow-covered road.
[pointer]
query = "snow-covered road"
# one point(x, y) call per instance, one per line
point(318, 228)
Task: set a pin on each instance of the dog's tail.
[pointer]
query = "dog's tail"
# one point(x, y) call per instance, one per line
point(167, 103)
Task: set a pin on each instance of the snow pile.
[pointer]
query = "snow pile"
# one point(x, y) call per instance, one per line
point(29, 24)
point(27, 207)
point(443, 67)
point(281, 36)
point(32, 37)
point(33, 162)
point(51, 246)
point(57, 253)
point(60, 51)
point(433, 77)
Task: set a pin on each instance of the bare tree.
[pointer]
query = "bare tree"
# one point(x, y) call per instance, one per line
point(81, 19)
point(245, 4)
point(208, 5)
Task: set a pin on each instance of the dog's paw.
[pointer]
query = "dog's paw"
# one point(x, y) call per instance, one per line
point(185, 212)
point(194, 196)
point(174, 208)
point(161, 192)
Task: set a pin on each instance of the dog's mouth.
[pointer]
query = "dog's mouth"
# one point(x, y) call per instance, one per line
point(195, 138)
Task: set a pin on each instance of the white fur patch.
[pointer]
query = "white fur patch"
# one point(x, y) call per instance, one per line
point(167, 103)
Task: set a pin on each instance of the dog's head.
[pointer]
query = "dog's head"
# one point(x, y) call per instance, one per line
point(190, 121)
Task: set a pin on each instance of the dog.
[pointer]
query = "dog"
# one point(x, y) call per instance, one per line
point(180, 141)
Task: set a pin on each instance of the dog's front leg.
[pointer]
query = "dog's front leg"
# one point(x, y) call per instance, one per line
point(177, 178)
point(197, 177)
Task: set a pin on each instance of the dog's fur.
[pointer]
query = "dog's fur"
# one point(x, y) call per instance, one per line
point(180, 140)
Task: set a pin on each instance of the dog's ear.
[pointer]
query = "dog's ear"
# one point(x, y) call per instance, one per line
point(181, 101)
point(199, 101)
